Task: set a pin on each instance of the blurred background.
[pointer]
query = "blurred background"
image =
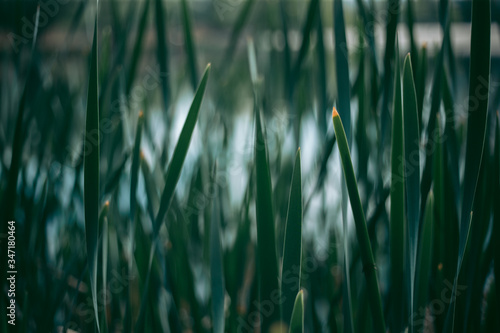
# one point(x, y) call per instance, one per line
point(151, 56)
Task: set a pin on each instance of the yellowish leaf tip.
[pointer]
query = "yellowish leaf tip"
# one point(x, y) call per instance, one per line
point(335, 113)
point(142, 155)
point(141, 114)
point(106, 203)
point(424, 45)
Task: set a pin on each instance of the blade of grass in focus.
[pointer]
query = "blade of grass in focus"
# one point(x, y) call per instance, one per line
point(292, 248)
point(477, 261)
point(397, 213)
point(180, 151)
point(266, 242)
point(412, 167)
point(189, 44)
point(344, 104)
point(297, 319)
point(91, 173)
point(171, 179)
point(369, 266)
point(479, 78)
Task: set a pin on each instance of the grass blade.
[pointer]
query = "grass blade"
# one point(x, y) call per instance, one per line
point(267, 255)
point(412, 167)
point(479, 86)
point(424, 263)
point(297, 320)
point(292, 248)
point(479, 77)
point(369, 266)
point(344, 104)
point(171, 179)
point(180, 151)
point(397, 213)
point(91, 173)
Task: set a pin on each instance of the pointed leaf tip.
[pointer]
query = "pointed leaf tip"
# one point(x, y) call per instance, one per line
point(334, 112)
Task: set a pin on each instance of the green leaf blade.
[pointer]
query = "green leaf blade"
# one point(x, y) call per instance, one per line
point(397, 213)
point(369, 266)
point(91, 173)
point(292, 249)
point(266, 242)
point(479, 78)
point(424, 262)
point(297, 319)
point(180, 151)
